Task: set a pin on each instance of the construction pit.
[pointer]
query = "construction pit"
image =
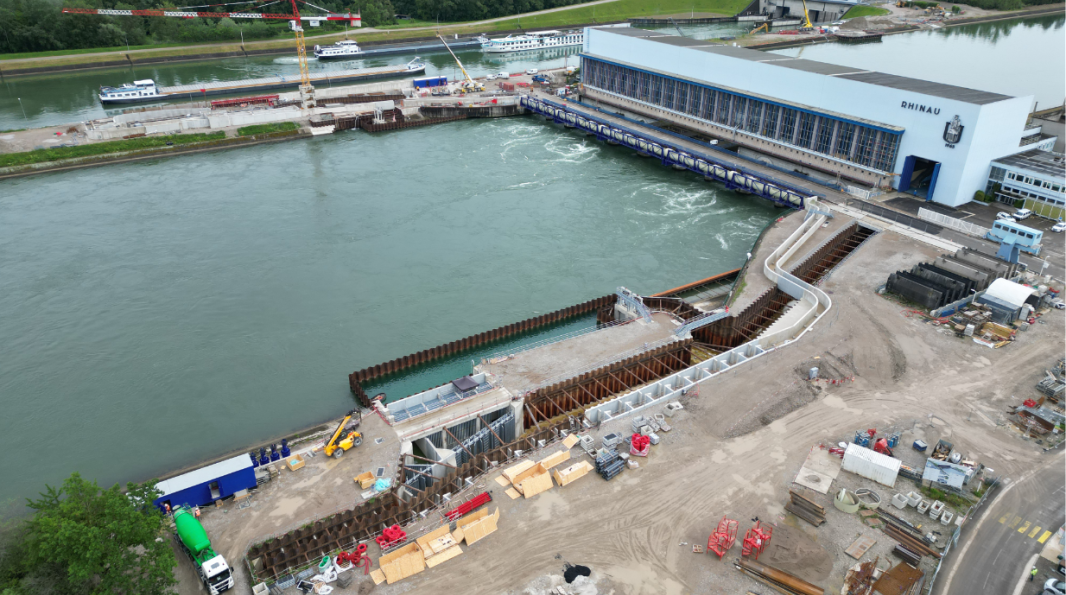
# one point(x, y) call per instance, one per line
point(735, 449)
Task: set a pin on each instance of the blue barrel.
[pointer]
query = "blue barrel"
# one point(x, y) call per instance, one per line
point(263, 459)
point(255, 461)
point(274, 454)
point(285, 452)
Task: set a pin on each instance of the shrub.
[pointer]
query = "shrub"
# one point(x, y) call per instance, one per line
point(267, 128)
point(115, 146)
point(980, 196)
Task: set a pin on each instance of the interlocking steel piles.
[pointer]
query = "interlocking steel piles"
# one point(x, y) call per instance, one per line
point(805, 509)
point(613, 469)
point(912, 558)
point(604, 460)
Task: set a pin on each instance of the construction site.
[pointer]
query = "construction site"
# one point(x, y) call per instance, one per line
point(809, 435)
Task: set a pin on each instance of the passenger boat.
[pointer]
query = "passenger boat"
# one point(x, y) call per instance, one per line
point(130, 92)
point(341, 50)
point(535, 40)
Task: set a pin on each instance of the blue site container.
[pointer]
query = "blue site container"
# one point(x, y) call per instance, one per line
point(430, 81)
point(920, 445)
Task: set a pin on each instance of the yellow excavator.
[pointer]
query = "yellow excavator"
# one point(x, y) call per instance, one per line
point(806, 25)
point(340, 441)
point(763, 28)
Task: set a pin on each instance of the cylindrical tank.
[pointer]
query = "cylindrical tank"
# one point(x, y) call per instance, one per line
point(190, 531)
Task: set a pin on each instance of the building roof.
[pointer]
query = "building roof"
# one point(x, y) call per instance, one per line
point(945, 473)
point(1009, 292)
point(204, 475)
point(1051, 417)
point(881, 79)
point(1042, 163)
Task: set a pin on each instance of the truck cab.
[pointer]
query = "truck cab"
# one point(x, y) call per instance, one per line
point(216, 574)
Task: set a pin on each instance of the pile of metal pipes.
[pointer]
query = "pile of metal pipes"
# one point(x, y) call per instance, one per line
point(906, 534)
point(776, 579)
point(805, 509)
point(609, 464)
point(912, 558)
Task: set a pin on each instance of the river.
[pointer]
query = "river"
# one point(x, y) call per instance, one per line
point(156, 314)
point(159, 313)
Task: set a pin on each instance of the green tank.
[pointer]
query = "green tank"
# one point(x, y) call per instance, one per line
point(191, 532)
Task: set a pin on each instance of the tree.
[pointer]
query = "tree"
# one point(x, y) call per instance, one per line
point(85, 540)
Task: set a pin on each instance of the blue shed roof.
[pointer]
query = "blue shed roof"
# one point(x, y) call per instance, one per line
point(204, 475)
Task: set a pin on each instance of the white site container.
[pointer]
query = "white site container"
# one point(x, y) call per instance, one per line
point(872, 465)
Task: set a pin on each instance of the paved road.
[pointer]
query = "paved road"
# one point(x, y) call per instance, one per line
point(997, 545)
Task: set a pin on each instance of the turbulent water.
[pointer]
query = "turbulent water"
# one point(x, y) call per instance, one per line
point(158, 313)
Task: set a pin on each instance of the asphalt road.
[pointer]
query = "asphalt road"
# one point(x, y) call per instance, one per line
point(995, 548)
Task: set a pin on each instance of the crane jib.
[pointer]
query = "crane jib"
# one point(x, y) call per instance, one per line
point(192, 15)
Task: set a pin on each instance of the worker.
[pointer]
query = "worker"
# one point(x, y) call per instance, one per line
point(196, 512)
point(1032, 574)
point(167, 506)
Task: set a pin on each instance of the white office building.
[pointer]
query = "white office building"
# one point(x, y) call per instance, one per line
point(860, 126)
point(1036, 177)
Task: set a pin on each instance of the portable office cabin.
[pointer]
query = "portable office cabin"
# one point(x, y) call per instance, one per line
point(872, 465)
point(207, 484)
point(1006, 299)
point(431, 81)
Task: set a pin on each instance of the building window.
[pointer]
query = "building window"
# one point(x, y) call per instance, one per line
point(844, 140)
point(825, 136)
point(806, 130)
point(769, 121)
point(788, 125)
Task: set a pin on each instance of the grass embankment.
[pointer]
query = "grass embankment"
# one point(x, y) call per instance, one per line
point(864, 10)
point(619, 10)
point(115, 146)
point(267, 128)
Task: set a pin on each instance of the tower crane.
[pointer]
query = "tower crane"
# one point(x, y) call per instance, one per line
point(296, 21)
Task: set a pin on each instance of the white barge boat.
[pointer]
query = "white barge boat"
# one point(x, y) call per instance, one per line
point(535, 40)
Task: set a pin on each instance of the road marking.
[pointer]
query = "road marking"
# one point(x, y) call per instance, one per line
point(1044, 537)
point(1035, 531)
point(1003, 520)
point(1024, 527)
point(1015, 522)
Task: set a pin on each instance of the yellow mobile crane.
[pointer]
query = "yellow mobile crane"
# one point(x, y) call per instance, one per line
point(470, 86)
point(806, 25)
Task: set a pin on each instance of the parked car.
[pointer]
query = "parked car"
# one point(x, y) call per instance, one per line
point(1058, 304)
point(1022, 214)
point(1054, 586)
point(532, 71)
point(1002, 216)
point(492, 77)
point(1059, 227)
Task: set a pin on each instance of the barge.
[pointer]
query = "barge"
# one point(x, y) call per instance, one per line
point(147, 90)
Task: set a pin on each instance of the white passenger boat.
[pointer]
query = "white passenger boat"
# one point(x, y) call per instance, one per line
point(341, 50)
point(130, 92)
point(536, 40)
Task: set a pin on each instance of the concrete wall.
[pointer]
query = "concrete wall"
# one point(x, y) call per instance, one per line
point(916, 290)
point(982, 278)
point(991, 130)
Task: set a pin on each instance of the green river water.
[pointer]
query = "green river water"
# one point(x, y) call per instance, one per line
point(156, 314)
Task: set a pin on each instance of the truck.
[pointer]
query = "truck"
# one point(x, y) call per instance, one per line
point(213, 569)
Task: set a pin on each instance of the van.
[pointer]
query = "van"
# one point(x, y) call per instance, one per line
point(1022, 214)
point(532, 71)
point(503, 75)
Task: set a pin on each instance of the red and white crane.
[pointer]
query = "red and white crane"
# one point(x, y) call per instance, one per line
point(295, 21)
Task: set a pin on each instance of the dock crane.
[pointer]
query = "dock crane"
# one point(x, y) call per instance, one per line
point(307, 92)
point(470, 86)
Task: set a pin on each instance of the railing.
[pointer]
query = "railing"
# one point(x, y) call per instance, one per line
point(953, 223)
point(954, 540)
point(605, 362)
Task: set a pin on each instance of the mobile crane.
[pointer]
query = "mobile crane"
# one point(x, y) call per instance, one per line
point(470, 86)
point(338, 444)
point(806, 25)
point(307, 94)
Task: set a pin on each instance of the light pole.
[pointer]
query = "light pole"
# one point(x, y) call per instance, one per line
point(126, 37)
point(23, 110)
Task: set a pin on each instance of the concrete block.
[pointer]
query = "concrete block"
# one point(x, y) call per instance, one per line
point(899, 501)
point(923, 507)
point(913, 498)
point(946, 518)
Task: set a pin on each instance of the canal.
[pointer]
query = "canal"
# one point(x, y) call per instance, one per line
point(159, 313)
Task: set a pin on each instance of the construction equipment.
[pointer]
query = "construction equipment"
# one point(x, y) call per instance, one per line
point(763, 28)
point(337, 444)
point(724, 537)
point(756, 539)
point(470, 85)
point(307, 95)
point(213, 569)
point(806, 25)
point(881, 446)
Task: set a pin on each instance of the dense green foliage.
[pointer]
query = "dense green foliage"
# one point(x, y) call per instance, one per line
point(115, 146)
point(39, 25)
point(83, 540)
point(267, 128)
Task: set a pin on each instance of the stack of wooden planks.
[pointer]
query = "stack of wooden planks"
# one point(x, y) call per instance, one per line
point(805, 509)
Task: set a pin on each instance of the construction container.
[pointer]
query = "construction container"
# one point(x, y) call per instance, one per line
point(506, 86)
point(872, 465)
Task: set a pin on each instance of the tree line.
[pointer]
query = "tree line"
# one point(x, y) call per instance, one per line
point(40, 25)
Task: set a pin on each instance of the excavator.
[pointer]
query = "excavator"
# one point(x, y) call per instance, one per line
point(338, 444)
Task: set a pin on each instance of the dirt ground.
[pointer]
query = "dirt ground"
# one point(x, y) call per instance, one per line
point(736, 448)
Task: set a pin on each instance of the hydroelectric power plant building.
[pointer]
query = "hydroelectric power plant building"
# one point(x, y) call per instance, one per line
point(865, 127)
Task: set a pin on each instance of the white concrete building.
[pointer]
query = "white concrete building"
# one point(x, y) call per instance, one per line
point(923, 137)
point(1035, 177)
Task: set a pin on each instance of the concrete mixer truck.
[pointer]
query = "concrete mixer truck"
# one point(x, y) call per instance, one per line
point(213, 569)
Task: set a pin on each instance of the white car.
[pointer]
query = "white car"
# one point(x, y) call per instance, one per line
point(492, 77)
point(1059, 227)
point(1022, 214)
point(532, 71)
point(1054, 586)
point(1005, 217)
